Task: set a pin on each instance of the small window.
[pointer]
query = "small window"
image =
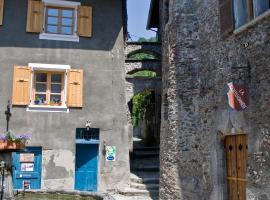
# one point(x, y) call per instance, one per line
point(59, 20)
point(48, 88)
point(246, 10)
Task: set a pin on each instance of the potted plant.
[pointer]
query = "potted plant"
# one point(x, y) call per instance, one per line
point(59, 103)
point(9, 141)
point(37, 100)
point(52, 103)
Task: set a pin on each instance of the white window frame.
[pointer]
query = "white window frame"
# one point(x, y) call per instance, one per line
point(48, 67)
point(61, 37)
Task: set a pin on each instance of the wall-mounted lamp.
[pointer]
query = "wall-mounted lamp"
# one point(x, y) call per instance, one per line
point(88, 125)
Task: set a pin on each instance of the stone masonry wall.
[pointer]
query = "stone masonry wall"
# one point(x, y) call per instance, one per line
point(197, 65)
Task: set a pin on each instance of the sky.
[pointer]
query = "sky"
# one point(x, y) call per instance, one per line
point(137, 19)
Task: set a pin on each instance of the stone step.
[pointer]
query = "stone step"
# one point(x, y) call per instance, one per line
point(148, 161)
point(146, 174)
point(145, 180)
point(137, 192)
point(122, 197)
point(145, 154)
point(143, 148)
point(145, 168)
point(141, 186)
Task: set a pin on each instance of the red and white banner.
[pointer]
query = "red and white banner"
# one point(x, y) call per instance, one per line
point(238, 96)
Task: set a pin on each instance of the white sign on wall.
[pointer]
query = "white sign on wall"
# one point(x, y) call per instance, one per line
point(110, 153)
point(27, 167)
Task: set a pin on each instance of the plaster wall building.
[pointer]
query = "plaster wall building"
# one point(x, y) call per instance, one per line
point(33, 39)
point(206, 45)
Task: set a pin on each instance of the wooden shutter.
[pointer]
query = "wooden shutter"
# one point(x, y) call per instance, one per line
point(1, 11)
point(84, 27)
point(236, 160)
point(21, 85)
point(35, 15)
point(226, 17)
point(75, 88)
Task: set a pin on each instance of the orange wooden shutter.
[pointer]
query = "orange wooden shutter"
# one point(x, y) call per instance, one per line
point(21, 85)
point(226, 17)
point(1, 11)
point(75, 88)
point(236, 160)
point(35, 16)
point(84, 18)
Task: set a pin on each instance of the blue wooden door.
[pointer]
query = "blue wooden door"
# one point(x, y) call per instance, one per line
point(86, 167)
point(26, 171)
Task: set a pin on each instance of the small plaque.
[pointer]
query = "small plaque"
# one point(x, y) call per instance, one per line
point(27, 157)
point(27, 167)
point(110, 153)
point(26, 185)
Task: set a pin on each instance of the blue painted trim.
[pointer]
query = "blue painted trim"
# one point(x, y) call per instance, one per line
point(83, 141)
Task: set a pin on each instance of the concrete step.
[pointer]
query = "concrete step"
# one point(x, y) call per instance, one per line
point(145, 168)
point(141, 186)
point(147, 180)
point(143, 148)
point(144, 174)
point(122, 197)
point(137, 192)
point(145, 154)
point(148, 161)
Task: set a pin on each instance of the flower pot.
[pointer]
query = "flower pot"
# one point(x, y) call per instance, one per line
point(10, 146)
point(37, 102)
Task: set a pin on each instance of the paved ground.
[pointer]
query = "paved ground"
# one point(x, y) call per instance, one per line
point(121, 197)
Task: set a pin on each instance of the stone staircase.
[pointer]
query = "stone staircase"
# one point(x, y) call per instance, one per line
point(144, 162)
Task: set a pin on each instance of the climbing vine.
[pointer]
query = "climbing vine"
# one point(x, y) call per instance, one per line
point(140, 103)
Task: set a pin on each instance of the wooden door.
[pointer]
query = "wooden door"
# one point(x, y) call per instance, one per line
point(236, 159)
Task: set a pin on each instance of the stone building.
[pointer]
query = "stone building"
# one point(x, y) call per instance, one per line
point(61, 66)
point(206, 45)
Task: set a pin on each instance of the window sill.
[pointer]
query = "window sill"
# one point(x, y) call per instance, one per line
point(251, 23)
point(59, 37)
point(44, 108)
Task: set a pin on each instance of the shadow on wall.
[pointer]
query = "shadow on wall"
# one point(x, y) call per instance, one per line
point(107, 25)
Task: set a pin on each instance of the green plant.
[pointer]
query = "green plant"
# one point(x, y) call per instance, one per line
point(140, 103)
point(144, 73)
point(37, 98)
point(9, 137)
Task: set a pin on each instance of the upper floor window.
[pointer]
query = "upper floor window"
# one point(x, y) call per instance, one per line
point(59, 19)
point(236, 13)
point(246, 10)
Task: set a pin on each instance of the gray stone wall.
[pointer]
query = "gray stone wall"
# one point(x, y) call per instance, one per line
point(102, 59)
point(197, 65)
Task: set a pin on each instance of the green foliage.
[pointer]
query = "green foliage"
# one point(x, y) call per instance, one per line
point(140, 103)
point(145, 73)
point(151, 39)
point(141, 56)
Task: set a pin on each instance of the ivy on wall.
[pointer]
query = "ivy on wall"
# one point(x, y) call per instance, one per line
point(140, 103)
